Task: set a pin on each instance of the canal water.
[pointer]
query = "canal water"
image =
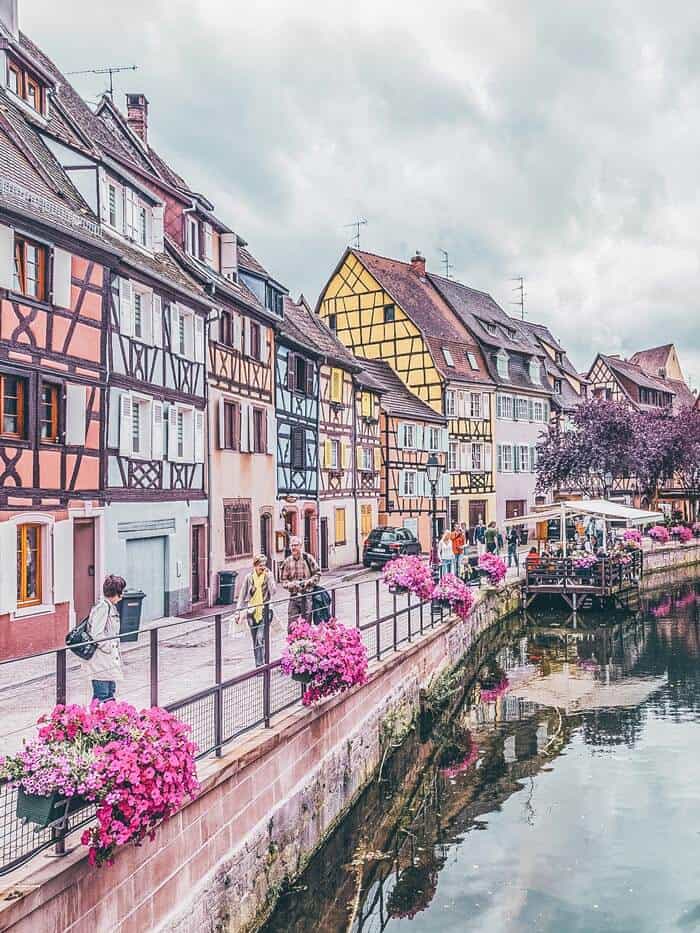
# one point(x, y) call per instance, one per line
point(563, 795)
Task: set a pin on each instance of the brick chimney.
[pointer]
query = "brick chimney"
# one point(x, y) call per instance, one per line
point(418, 264)
point(136, 114)
point(9, 17)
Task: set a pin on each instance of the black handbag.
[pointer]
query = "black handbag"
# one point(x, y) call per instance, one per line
point(80, 641)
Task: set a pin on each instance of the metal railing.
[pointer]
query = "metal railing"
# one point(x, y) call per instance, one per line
point(608, 574)
point(230, 706)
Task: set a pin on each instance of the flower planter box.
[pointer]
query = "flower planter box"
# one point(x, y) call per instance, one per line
point(398, 590)
point(303, 678)
point(33, 808)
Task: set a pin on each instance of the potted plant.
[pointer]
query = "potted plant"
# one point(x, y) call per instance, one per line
point(494, 566)
point(453, 593)
point(136, 766)
point(682, 533)
point(329, 658)
point(659, 534)
point(632, 538)
point(584, 564)
point(408, 574)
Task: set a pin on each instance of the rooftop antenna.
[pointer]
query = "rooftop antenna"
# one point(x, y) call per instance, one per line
point(356, 224)
point(110, 70)
point(446, 262)
point(522, 295)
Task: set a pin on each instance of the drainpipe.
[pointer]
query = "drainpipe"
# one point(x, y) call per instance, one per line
point(207, 478)
point(354, 472)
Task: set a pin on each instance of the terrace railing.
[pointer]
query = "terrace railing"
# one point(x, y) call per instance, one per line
point(607, 575)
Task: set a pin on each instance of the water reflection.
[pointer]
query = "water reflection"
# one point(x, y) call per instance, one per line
point(561, 797)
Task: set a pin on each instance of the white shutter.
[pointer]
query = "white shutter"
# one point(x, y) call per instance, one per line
point(157, 430)
point(245, 427)
point(62, 535)
point(8, 567)
point(485, 407)
point(271, 431)
point(76, 415)
point(402, 482)
point(445, 483)
point(488, 458)
point(7, 257)
point(61, 278)
point(125, 407)
point(172, 432)
point(445, 441)
point(198, 436)
point(104, 203)
point(533, 459)
point(246, 337)
point(499, 458)
point(126, 308)
point(401, 435)
point(466, 457)
point(516, 458)
point(229, 256)
point(174, 325)
point(189, 335)
point(221, 418)
point(199, 339)
point(130, 213)
point(420, 435)
point(265, 345)
point(208, 244)
point(157, 315)
point(157, 235)
point(237, 332)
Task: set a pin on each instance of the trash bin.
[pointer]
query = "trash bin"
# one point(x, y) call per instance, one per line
point(130, 614)
point(227, 587)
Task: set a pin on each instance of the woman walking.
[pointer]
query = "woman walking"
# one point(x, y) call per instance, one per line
point(105, 666)
point(446, 553)
point(254, 598)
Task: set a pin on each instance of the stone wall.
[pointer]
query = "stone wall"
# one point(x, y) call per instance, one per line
point(263, 810)
point(660, 559)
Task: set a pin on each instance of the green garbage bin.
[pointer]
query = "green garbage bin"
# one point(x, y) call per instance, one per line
point(130, 614)
point(227, 587)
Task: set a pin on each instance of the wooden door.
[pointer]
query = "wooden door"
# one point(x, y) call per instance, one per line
point(198, 558)
point(477, 510)
point(308, 537)
point(324, 544)
point(266, 537)
point(515, 507)
point(83, 567)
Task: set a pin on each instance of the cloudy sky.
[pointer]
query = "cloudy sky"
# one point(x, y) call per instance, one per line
point(556, 141)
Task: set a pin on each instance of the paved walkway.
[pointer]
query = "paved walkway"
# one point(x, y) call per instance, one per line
point(185, 662)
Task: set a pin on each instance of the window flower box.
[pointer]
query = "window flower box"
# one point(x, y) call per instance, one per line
point(44, 811)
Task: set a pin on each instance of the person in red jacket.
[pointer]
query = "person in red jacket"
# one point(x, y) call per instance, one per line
point(458, 542)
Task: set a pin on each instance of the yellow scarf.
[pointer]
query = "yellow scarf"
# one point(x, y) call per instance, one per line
point(256, 600)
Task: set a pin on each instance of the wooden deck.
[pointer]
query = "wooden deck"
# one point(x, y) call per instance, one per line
point(609, 583)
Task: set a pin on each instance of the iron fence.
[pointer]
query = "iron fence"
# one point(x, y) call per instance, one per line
point(230, 706)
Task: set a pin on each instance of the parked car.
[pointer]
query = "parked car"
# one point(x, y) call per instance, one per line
point(382, 544)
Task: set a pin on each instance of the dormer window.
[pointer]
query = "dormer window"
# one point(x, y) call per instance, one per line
point(558, 386)
point(192, 237)
point(559, 357)
point(489, 327)
point(471, 359)
point(448, 357)
point(25, 86)
point(535, 371)
point(502, 364)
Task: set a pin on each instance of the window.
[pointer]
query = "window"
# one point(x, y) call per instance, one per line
point(389, 314)
point(409, 483)
point(180, 433)
point(559, 357)
point(453, 457)
point(434, 439)
point(334, 450)
point(450, 404)
point(502, 364)
point(143, 226)
point(273, 299)
point(448, 356)
point(507, 459)
point(28, 565)
point(300, 373)
point(298, 449)
point(535, 371)
point(332, 322)
point(192, 237)
point(558, 386)
point(340, 526)
point(337, 385)
point(477, 458)
point(255, 344)
point(504, 406)
point(232, 426)
point(365, 520)
point(409, 435)
point(523, 409)
point(238, 528)
point(475, 404)
point(138, 315)
point(136, 429)
point(14, 79)
point(30, 268)
point(489, 327)
point(112, 205)
point(13, 394)
point(366, 405)
point(471, 359)
point(523, 458)
point(48, 413)
point(367, 459)
point(259, 431)
point(33, 94)
point(25, 85)
point(226, 329)
point(537, 411)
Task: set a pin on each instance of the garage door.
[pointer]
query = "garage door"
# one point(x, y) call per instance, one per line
point(145, 565)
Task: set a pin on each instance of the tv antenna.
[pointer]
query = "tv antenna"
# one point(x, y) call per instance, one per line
point(356, 224)
point(110, 70)
point(446, 262)
point(522, 295)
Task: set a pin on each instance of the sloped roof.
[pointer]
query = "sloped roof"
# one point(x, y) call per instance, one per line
point(653, 359)
point(685, 397)
point(318, 333)
point(397, 400)
point(636, 375)
point(249, 263)
point(293, 327)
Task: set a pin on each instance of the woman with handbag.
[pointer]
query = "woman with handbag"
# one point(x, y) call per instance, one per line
point(254, 599)
point(105, 667)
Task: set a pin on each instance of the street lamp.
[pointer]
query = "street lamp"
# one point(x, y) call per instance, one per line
point(432, 470)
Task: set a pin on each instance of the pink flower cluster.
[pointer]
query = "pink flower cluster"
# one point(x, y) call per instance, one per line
point(585, 562)
point(659, 533)
point(494, 566)
point(331, 653)
point(632, 536)
point(492, 693)
point(682, 532)
point(409, 573)
point(138, 766)
point(456, 593)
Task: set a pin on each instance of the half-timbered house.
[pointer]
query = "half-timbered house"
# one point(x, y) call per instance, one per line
point(410, 431)
point(54, 269)
point(386, 309)
point(347, 442)
point(297, 368)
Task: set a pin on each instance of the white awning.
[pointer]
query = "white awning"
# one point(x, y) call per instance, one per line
point(598, 508)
